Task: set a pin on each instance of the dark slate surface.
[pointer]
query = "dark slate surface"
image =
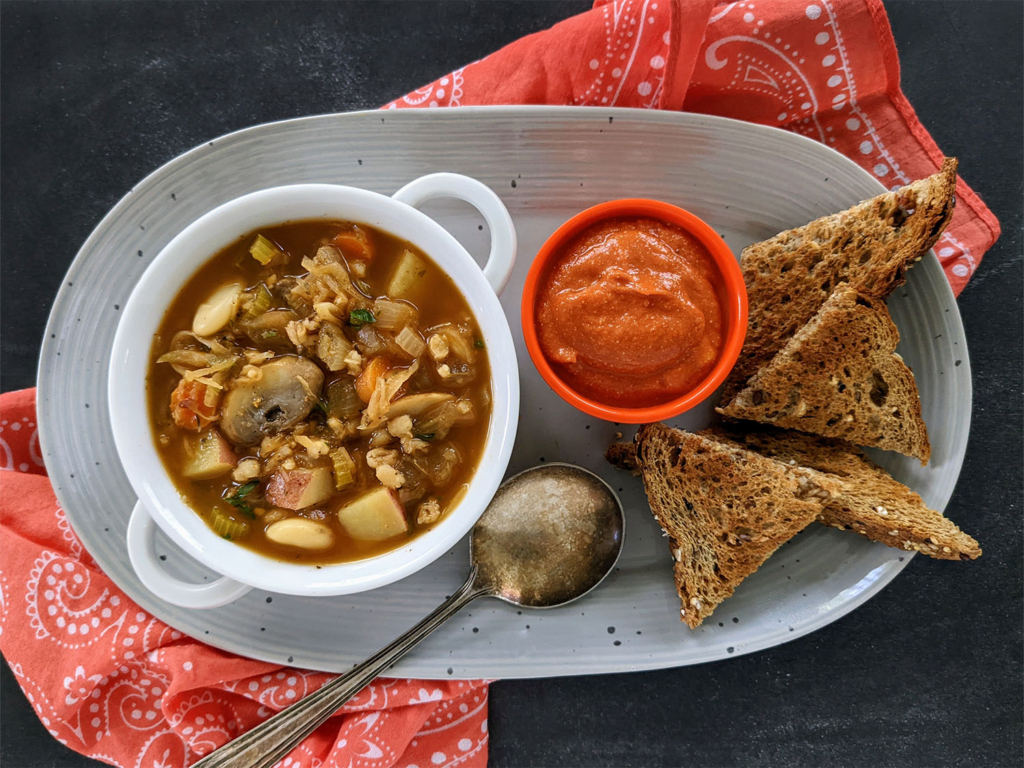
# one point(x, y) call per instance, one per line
point(97, 95)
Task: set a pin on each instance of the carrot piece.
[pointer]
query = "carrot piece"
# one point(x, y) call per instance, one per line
point(355, 243)
point(192, 406)
point(367, 380)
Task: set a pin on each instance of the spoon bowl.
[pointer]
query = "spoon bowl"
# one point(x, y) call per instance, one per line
point(550, 535)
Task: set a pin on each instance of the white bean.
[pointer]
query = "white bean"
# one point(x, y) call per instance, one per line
point(217, 311)
point(300, 532)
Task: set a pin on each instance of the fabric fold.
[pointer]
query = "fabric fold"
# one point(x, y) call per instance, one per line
point(826, 69)
point(112, 682)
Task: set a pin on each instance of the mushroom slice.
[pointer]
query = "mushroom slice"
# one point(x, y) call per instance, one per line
point(281, 398)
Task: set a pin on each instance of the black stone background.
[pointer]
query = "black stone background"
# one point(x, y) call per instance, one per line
point(95, 95)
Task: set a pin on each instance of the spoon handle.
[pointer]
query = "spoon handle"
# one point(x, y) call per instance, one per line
point(272, 739)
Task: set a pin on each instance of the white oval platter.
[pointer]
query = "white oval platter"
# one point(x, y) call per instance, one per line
point(546, 163)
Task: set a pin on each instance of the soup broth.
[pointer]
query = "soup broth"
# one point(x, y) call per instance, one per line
point(319, 392)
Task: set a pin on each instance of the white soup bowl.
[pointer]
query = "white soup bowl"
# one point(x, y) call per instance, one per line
point(160, 503)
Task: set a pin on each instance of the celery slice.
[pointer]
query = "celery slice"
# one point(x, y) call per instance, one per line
point(344, 468)
point(261, 301)
point(227, 528)
point(263, 250)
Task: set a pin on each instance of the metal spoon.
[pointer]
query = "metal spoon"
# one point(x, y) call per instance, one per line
point(551, 534)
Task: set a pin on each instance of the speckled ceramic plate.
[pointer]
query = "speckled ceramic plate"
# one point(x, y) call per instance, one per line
point(546, 163)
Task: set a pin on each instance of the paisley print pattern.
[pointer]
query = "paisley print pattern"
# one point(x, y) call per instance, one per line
point(114, 683)
point(826, 69)
point(789, 63)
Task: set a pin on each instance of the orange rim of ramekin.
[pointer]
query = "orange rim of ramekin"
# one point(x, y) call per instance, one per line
point(733, 295)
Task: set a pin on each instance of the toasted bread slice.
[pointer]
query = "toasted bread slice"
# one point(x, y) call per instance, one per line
point(870, 502)
point(623, 456)
point(840, 376)
point(870, 247)
point(725, 509)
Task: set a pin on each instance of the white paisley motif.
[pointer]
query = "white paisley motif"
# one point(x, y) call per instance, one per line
point(956, 250)
point(79, 686)
point(455, 100)
point(131, 695)
point(60, 606)
point(366, 730)
point(48, 714)
point(849, 88)
point(278, 690)
point(780, 77)
point(372, 751)
point(376, 696)
point(420, 95)
point(74, 545)
point(34, 451)
point(445, 92)
point(611, 69)
point(165, 749)
point(6, 455)
point(470, 747)
point(423, 696)
point(441, 723)
point(202, 723)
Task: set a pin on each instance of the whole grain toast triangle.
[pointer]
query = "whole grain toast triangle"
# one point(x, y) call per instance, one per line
point(724, 508)
point(869, 501)
point(839, 376)
point(869, 247)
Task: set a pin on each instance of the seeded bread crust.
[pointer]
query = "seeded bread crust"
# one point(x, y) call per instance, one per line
point(840, 376)
point(869, 501)
point(725, 510)
point(870, 247)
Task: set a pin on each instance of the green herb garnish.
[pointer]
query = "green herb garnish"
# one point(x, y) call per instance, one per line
point(237, 499)
point(269, 334)
point(479, 344)
point(246, 489)
point(360, 317)
point(321, 405)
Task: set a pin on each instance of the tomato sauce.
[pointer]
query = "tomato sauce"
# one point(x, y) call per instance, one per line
point(630, 313)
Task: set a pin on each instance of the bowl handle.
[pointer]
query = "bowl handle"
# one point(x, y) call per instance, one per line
point(213, 594)
point(503, 232)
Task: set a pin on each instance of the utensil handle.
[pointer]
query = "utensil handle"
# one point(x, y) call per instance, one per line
point(272, 739)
